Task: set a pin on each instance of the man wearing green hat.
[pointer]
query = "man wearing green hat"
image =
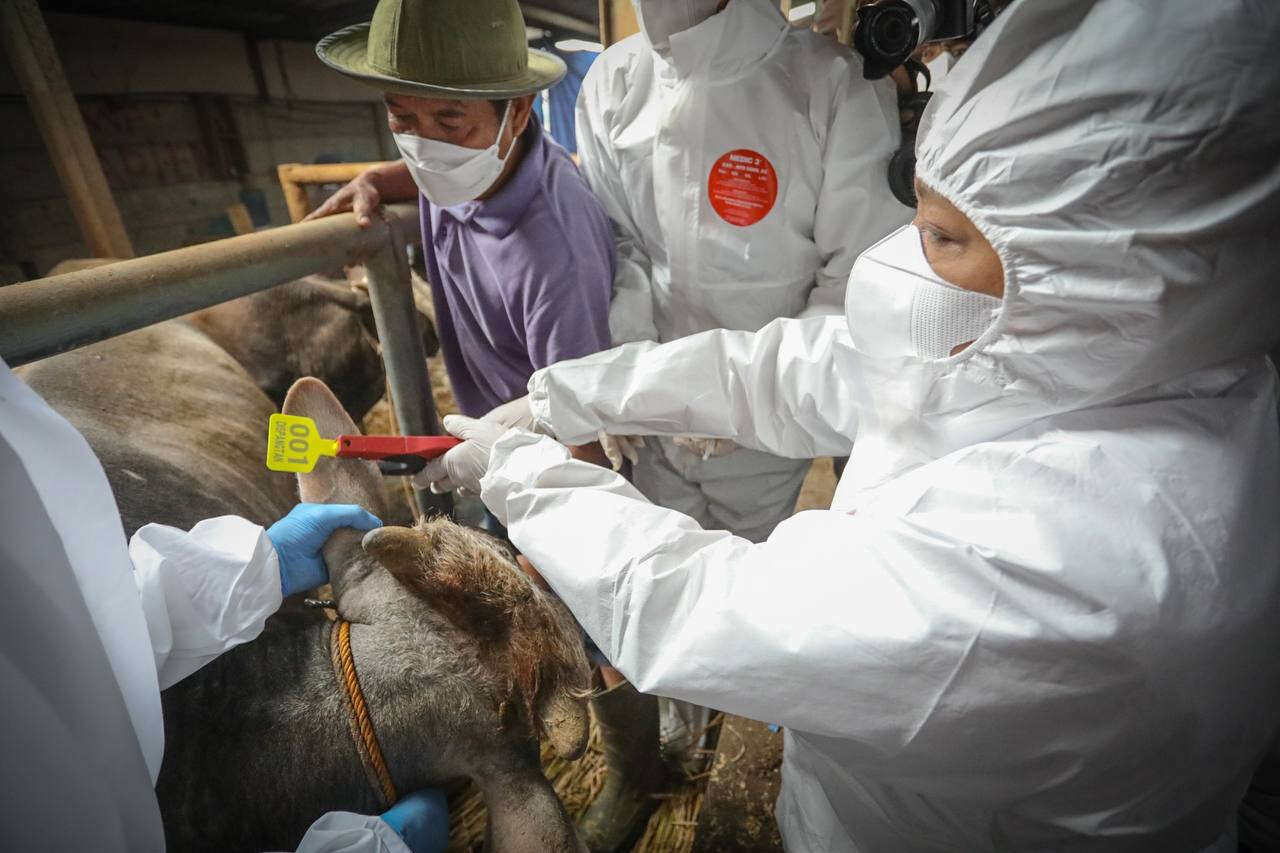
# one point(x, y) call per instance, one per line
point(519, 251)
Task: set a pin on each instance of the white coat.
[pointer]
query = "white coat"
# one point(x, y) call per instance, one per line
point(94, 630)
point(656, 136)
point(743, 173)
point(1041, 613)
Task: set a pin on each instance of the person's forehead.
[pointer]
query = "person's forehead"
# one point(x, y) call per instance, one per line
point(443, 107)
point(936, 202)
point(924, 191)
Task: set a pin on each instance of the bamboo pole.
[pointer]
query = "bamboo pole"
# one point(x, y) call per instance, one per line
point(36, 65)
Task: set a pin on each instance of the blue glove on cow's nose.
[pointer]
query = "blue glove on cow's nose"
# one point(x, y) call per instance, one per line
point(421, 819)
point(299, 537)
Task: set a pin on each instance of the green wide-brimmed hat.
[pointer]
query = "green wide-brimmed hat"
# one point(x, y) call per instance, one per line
point(443, 49)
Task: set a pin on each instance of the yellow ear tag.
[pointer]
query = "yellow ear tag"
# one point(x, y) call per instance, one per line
point(294, 445)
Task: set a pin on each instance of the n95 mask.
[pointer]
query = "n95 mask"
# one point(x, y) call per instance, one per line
point(450, 174)
point(661, 19)
point(899, 308)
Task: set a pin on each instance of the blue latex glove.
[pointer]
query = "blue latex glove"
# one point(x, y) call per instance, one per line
point(421, 819)
point(299, 537)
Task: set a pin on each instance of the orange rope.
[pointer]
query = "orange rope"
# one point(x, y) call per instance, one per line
point(366, 740)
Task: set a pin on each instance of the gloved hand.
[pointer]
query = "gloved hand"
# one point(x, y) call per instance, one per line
point(299, 537)
point(705, 448)
point(421, 819)
point(619, 447)
point(463, 466)
point(516, 414)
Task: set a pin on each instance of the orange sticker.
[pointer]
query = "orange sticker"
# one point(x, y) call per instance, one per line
point(742, 187)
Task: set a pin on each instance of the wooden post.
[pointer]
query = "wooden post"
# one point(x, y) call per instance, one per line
point(241, 221)
point(844, 33)
point(36, 65)
point(617, 21)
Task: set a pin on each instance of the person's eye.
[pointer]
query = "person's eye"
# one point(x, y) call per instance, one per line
point(936, 237)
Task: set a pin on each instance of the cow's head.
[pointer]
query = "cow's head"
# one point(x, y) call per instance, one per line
point(314, 326)
point(523, 637)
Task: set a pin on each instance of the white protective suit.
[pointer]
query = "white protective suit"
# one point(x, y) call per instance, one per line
point(93, 630)
point(1042, 611)
point(743, 172)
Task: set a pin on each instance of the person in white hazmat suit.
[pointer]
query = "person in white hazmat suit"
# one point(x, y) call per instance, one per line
point(94, 629)
point(1041, 613)
point(742, 164)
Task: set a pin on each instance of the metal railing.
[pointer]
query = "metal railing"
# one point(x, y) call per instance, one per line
point(51, 315)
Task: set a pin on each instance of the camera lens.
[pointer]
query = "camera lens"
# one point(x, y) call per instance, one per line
point(892, 32)
point(889, 30)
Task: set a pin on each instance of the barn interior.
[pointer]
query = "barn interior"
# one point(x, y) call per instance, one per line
point(1036, 613)
point(175, 134)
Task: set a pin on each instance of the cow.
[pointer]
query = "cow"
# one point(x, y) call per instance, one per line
point(205, 365)
point(317, 325)
point(462, 661)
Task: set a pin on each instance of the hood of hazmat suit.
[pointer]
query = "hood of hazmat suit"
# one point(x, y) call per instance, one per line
point(660, 19)
point(1041, 613)
point(742, 164)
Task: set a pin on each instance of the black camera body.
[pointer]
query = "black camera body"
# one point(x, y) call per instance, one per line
point(887, 32)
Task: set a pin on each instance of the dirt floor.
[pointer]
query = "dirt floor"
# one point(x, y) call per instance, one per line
point(738, 804)
point(671, 828)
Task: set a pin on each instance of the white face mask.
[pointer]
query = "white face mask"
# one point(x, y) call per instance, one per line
point(660, 19)
point(450, 174)
point(899, 308)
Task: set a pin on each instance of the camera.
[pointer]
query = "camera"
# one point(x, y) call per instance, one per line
point(887, 32)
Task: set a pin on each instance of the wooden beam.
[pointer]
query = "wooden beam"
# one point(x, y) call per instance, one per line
point(559, 20)
point(294, 178)
point(36, 65)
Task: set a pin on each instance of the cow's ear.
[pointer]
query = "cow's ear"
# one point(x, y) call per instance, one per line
point(334, 481)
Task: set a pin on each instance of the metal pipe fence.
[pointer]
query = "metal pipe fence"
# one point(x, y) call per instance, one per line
point(51, 315)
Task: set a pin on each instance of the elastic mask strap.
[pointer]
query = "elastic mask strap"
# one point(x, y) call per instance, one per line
point(506, 114)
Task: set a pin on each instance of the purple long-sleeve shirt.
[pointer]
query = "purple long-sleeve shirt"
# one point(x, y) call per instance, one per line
point(522, 279)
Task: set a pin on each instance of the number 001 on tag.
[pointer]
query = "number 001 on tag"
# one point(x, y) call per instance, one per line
point(294, 445)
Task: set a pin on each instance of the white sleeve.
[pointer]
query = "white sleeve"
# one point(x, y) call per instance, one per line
point(855, 206)
point(926, 629)
point(344, 832)
point(696, 614)
point(631, 308)
point(205, 591)
point(776, 390)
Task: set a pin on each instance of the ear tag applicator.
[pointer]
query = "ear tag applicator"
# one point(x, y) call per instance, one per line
point(295, 445)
